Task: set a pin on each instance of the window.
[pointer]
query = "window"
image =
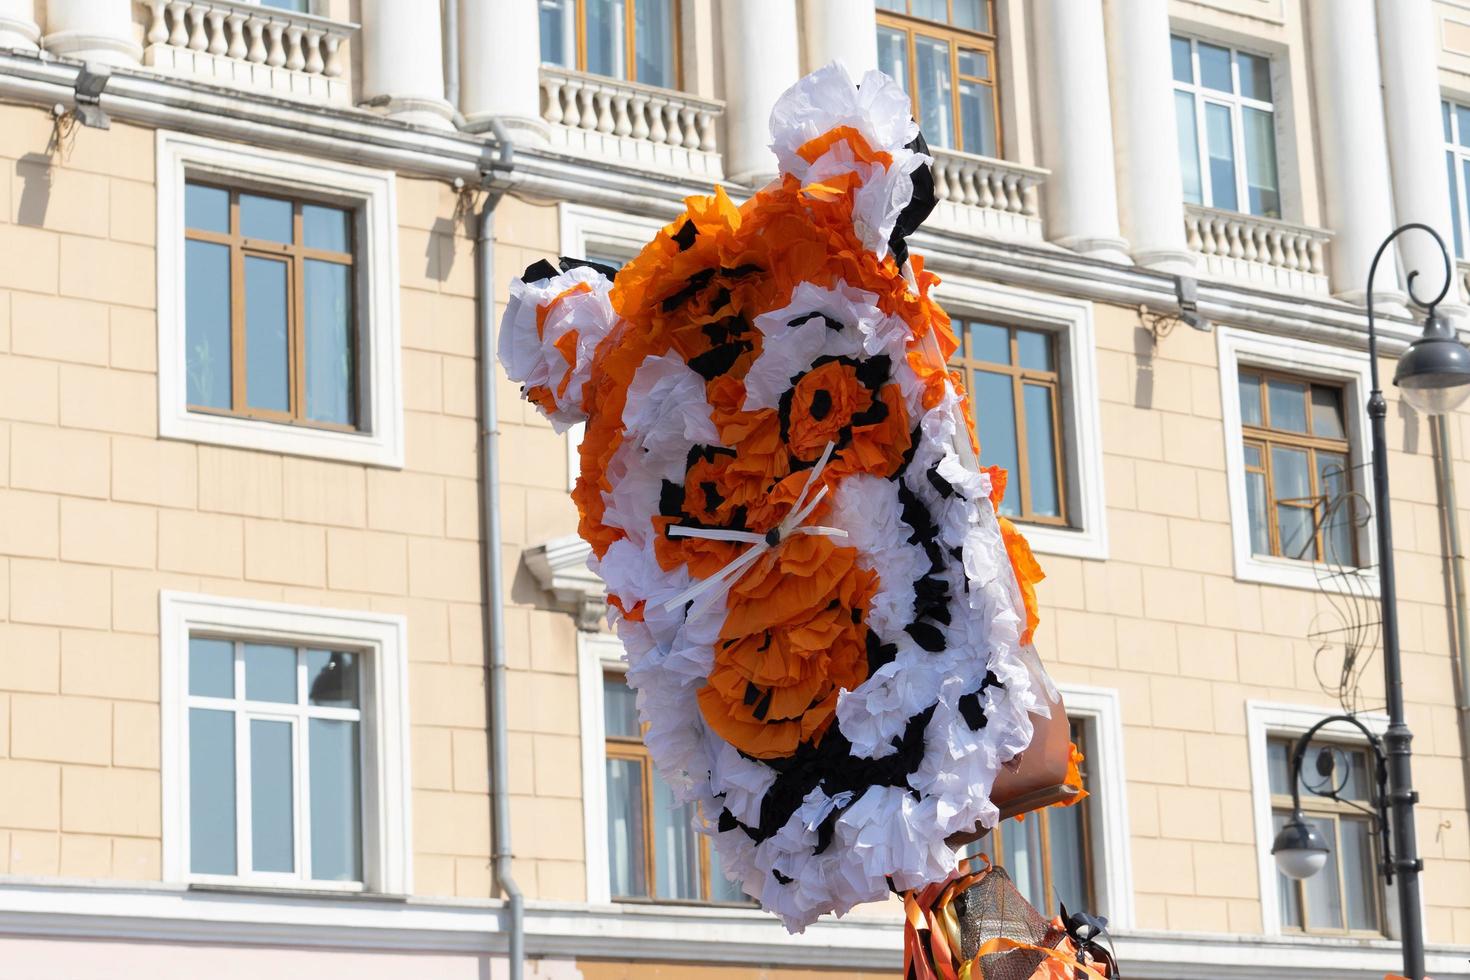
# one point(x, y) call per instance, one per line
point(633, 40)
point(1048, 853)
point(268, 320)
point(298, 6)
point(1344, 896)
point(1457, 161)
point(278, 302)
point(1297, 469)
point(275, 762)
point(1012, 376)
point(943, 54)
point(285, 735)
point(1227, 127)
point(653, 850)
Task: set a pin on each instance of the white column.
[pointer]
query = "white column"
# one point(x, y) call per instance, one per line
point(1150, 189)
point(841, 30)
point(500, 64)
point(1407, 41)
point(18, 25)
point(1354, 159)
point(92, 30)
point(403, 61)
point(1076, 130)
point(761, 62)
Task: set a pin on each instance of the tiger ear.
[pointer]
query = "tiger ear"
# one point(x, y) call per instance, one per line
point(550, 332)
point(825, 127)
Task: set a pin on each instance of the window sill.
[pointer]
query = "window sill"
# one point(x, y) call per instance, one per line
point(1070, 542)
point(1312, 576)
point(295, 440)
point(357, 892)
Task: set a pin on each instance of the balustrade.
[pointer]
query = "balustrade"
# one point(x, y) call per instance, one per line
point(1259, 250)
point(986, 196)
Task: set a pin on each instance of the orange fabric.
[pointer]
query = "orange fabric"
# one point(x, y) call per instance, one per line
point(567, 345)
point(812, 150)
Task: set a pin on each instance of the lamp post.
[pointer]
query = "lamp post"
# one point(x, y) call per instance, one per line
point(1433, 376)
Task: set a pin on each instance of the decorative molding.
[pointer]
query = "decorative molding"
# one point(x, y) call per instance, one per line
point(373, 197)
point(1237, 347)
point(1101, 710)
point(387, 797)
point(1258, 251)
point(171, 914)
point(560, 566)
point(984, 196)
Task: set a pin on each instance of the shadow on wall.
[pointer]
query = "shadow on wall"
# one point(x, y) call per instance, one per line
point(34, 170)
point(1143, 353)
point(1410, 419)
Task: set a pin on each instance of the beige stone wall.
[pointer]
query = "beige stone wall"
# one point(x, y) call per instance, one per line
point(97, 515)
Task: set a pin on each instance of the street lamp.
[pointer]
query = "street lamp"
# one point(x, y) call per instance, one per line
point(1433, 376)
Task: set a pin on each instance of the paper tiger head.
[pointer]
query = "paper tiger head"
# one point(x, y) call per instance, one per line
point(829, 639)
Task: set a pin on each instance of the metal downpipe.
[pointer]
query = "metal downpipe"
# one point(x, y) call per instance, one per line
point(493, 577)
point(450, 9)
point(1454, 556)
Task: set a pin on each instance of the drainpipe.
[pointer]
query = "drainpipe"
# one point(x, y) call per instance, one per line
point(492, 574)
point(1455, 558)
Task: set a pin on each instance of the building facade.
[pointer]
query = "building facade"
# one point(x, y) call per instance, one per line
point(244, 643)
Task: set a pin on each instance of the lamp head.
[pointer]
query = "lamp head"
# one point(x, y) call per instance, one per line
point(1299, 850)
point(1434, 373)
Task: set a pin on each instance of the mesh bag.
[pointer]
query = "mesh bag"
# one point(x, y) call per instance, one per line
point(992, 909)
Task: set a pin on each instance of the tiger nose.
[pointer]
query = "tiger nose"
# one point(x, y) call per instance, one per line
point(773, 537)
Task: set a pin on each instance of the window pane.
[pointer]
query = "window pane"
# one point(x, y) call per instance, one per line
point(653, 42)
point(1287, 895)
point(901, 6)
point(1260, 162)
point(300, 6)
point(1288, 403)
point(211, 668)
point(1068, 857)
point(1359, 874)
point(1258, 513)
point(1188, 148)
point(1449, 162)
point(559, 32)
point(989, 342)
point(1180, 57)
point(267, 373)
point(722, 889)
point(1041, 451)
point(675, 853)
point(1324, 899)
point(972, 15)
point(1214, 67)
point(1327, 412)
point(1253, 456)
point(331, 678)
point(975, 64)
point(1220, 143)
point(326, 228)
point(893, 58)
point(1290, 475)
point(211, 792)
point(207, 323)
point(607, 38)
point(619, 708)
point(1462, 123)
point(1278, 765)
point(932, 10)
point(336, 814)
point(270, 673)
point(1445, 115)
point(1033, 348)
point(329, 359)
point(977, 118)
point(1255, 76)
point(207, 208)
point(272, 812)
point(1337, 517)
point(625, 855)
point(265, 217)
point(1021, 855)
point(1359, 774)
point(936, 108)
point(1250, 399)
point(995, 425)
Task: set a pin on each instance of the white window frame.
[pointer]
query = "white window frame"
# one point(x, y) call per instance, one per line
point(387, 842)
point(1234, 102)
point(372, 196)
point(1267, 719)
point(1098, 709)
point(1071, 321)
point(586, 230)
point(1238, 347)
point(1459, 192)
